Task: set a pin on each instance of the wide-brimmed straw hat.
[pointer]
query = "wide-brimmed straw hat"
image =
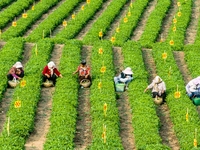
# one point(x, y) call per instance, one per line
point(128, 71)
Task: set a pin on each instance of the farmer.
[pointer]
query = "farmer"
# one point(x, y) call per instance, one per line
point(126, 76)
point(193, 88)
point(83, 71)
point(158, 88)
point(50, 72)
point(16, 72)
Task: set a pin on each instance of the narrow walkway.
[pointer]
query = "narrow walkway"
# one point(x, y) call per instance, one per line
point(167, 21)
point(84, 31)
point(166, 130)
point(83, 136)
point(192, 28)
point(141, 25)
point(116, 22)
point(126, 129)
point(42, 123)
point(179, 57)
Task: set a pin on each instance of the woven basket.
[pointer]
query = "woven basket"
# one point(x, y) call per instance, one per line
point(85, 83)
point(48, 83)
point(158, 100)
point(13, 84)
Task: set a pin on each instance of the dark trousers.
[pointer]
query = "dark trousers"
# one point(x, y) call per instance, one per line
point(163, 95)
point(10, 77)
point(52, 78)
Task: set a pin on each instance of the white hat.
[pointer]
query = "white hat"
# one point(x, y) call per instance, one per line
point(18, 65)
point(157, 79)
point(128, 71)
point(51, 65)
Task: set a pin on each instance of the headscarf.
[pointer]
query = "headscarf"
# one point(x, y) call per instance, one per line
point(18, 65)
point(51, 65)
point(196, 80)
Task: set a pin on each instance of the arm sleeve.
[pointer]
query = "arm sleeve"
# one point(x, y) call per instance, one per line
point(45, 70)
point(57, 72)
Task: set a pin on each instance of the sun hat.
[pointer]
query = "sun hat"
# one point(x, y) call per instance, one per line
point(157, 79)
point(18, 65)
point(127, 71)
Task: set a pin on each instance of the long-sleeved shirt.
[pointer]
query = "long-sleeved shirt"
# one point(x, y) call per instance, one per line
point(157, 87)
point(46, 70)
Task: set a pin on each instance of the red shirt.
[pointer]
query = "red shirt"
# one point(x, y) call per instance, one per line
point(83, 70)
point(46, 70)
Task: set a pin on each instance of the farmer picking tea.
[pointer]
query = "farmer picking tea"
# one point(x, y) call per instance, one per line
point(126, 76)
point(83, 71)
point(16, 72)
point(193, 88)
point(158, 88)
point(50, 72)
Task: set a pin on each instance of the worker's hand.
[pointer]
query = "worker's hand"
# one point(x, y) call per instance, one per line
point(19, 78)
point(61, 76)
point(48, 76)
point(145, 90)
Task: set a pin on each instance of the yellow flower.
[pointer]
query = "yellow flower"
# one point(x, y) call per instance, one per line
point(174, 20)
point(171, 42)
point(73, 16)
point(64, 23)
point(105, 107)
point(178, 4)
point(88, 1)
point(177, 94)
point(100, 51)
point(101, 34)
point(179, 14)
point(103, 69)
point(82, 7)
point(33, 7)
point(23, 83)
point(14, 23)
point(129, 13)
point(113, 39)
point(117, 30)
point(164, 55)
point(174, 28)
point(24, 15)
point(17, 104)
point(99, 85)
point(125, 20)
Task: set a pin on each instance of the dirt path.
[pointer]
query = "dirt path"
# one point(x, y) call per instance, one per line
point(83, 136)
point(44, 16)
point(179, 57)
point(192, 28)
point(2, 44)
point(42, 124)
point(7, 98)
point(116, 22)
point(167, 21)
point(166, 131)
point(126, 129)
point(84, 31)
point(141, 25)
